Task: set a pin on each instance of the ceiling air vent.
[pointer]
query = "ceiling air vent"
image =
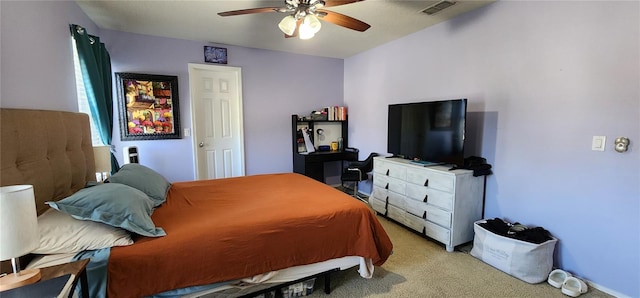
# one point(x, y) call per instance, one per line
point(433, 9)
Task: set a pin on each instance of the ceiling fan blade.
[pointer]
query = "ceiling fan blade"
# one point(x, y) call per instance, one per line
point(329, 3)
point(343, 20)
point(248, 11)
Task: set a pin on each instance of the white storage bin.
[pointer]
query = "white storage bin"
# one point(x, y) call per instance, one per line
point(527, 261)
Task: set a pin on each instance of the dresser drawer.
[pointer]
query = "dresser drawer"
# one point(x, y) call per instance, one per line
point(430, 178)
point(397, 200)
point(415, 207)
point(389, 183)
point(431, 196)
point(428, 212)
point(389, 169)
point(390, 197)
point(414, 222)
point(396, 213)
point(378, 205)
point(437, 232)
point(379, 193)
point(438, 216)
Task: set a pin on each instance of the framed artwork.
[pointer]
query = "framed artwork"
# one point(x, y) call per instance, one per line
point(215, 55)
point(148, 106)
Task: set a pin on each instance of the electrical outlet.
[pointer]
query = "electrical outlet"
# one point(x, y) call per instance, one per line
point(598, 143)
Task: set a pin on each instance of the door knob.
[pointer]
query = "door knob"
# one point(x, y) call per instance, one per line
point(201, 144)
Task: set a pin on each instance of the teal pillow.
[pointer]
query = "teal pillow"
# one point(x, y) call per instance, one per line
point(113, 204)
point(144, 179)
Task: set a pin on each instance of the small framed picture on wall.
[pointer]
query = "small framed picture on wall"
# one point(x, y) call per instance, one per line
point(215, 55)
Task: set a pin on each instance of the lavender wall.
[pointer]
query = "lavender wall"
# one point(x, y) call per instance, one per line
point(36, 58)
point(542, 78)
point(275, 86)
point(37, 72)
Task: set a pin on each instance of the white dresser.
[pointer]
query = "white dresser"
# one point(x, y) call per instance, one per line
point(439, 203)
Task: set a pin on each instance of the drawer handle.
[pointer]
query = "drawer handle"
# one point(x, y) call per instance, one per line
point(386, 200)
point(387, 172)
point(426, 197)
point(426, 182)
point(424, 215)
point(386, 186)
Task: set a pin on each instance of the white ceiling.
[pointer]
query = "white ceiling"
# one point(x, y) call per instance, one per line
point(199, 21)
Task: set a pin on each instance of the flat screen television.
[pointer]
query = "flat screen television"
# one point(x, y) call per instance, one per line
point(428, 131)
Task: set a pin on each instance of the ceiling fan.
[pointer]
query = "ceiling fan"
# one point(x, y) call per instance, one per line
point(303, 16)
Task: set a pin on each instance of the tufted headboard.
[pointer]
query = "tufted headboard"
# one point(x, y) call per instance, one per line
point(50, 150)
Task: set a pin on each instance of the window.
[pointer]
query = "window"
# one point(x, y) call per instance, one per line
point(83, 101)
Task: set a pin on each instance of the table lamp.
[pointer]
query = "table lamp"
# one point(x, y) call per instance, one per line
point(102, 158)
point(18, 233)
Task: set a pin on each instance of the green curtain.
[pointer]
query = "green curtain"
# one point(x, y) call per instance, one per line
point(95, 64)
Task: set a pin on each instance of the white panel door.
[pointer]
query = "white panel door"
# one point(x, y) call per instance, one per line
point(216, 115)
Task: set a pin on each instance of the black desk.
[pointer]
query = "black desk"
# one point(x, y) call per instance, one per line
point(312, 164)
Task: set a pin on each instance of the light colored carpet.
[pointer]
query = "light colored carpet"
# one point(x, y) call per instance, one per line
point(420, 267)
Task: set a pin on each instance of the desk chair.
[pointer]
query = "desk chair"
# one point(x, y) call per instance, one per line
point(356, 171)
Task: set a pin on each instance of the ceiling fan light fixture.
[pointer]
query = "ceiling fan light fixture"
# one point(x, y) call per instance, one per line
point(288, 25)
point(306, 32)
point(313, 23)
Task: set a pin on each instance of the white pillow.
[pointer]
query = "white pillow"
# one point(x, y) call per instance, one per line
point(61, 233)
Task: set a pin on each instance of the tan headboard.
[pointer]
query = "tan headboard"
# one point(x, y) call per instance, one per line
point(50, 150)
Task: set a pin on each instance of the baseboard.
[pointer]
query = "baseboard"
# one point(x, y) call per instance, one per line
point(606, 290)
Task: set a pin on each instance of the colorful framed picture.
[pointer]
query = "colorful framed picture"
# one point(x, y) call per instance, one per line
point(148, 106)
point(215, 55)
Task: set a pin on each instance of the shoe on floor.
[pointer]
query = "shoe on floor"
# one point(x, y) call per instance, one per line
point(557, 277)
point(574, 287)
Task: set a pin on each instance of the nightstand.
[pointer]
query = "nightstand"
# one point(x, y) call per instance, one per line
point(46, 284)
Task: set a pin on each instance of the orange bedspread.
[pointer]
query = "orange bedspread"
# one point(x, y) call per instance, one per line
point(233, 228)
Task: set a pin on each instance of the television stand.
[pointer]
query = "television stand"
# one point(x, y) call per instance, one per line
point(433, 201)
point(425, 163)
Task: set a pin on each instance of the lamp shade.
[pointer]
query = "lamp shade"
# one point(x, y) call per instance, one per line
point(18, 221)
point(288, 25)
point(306, 32)
point(313, 22)
point(102, 157)
point(309, 27)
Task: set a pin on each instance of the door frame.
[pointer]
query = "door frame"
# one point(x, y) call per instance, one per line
point(238, 73)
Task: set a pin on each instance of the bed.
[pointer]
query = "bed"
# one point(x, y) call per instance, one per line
point(202, 232)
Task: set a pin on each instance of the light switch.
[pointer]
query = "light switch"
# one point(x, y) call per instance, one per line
point(187, 132)
point(598, 143)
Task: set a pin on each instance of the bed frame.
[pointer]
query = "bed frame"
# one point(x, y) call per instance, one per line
point(50, 150)
point(277, 288)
